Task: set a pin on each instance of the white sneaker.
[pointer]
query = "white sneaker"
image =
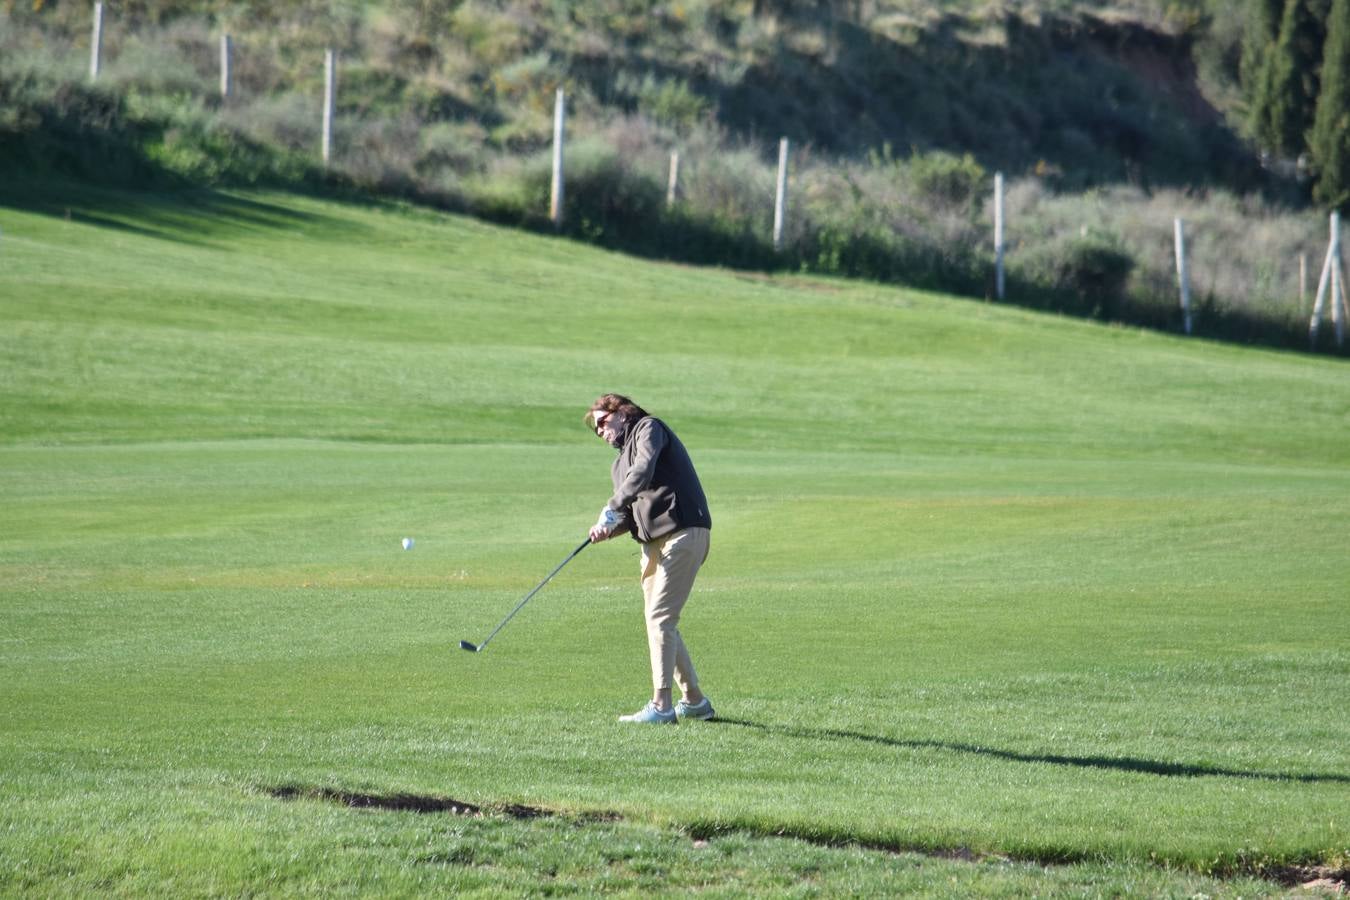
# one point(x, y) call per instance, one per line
point(650, 715)
point(702, 710)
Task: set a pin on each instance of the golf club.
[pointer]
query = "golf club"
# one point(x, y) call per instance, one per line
point(479, 648)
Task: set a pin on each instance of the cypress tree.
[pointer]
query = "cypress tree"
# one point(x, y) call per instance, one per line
point(1329, 141)
point(1289, 85)
point(1260, 29)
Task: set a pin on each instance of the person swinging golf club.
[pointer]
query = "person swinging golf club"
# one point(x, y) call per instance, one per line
point(659, 501)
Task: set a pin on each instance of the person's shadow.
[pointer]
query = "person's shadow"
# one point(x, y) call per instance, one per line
point(1121, 763)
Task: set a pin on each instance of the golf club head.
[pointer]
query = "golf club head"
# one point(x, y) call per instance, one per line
point(465, 645)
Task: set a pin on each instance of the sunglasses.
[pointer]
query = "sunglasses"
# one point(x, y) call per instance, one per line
point(600, 419)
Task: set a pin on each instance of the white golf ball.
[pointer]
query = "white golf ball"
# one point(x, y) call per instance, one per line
point(407, 543)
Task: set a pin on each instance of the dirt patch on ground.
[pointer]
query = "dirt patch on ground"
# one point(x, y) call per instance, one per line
point(1324, 879)
point(423, 803)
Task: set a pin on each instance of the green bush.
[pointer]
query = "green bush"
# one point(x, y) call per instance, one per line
point(1083, 274)
point(202, 154)
point(181, 57)
point(607, 200)
point(531, 81)
point(1097, 269)
point(947, 179)
point(290, 121)
point(666, 101)
point(728, 184)
point(456, 147)
point(512, 191)
point(70, 129)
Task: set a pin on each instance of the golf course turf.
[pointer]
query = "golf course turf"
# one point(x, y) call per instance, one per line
point(997, 602)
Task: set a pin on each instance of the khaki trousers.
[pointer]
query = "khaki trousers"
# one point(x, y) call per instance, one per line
point(669, 565)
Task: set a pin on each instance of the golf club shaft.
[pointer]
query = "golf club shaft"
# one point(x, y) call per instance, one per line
point(547, 578)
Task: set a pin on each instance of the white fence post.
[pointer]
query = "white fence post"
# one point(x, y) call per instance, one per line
point(1345, 306)
point(1183, 275)
point(1302, 281)
point(1338, 304)
point(780, 204)
point(673, 182)
point(998, 235)
point(225, 84)
point(1331, 278)
point(96, 43)
point(555, 208)
point(329, 101)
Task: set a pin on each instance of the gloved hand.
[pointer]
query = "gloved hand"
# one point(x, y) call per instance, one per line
point(604, 527)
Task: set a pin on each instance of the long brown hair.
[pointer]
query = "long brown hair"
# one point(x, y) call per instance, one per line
point(614, 403)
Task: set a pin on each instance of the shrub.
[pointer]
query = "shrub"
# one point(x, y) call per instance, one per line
point(491, 35)
point(608, 201)
point(169, 62)
point(531, 81)
point(729, 185)
point(1097, 268)
point(202, 154)
point(670, 101)
point(450, 146)
point(1084, 273)
point(512, 190)
point(378, 153)
point(948, 180)
point(70, 129)
point(290, 120)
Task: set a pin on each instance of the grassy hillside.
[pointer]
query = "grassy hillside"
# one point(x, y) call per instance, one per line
point(1109, 121)
point(1097, 92)
point(998, 602)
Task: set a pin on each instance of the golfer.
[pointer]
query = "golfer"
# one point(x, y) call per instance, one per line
point(659, 501)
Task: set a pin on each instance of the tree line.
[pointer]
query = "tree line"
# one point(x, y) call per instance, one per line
point(1296, 79)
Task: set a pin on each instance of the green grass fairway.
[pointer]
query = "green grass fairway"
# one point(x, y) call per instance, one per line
point(998, 603)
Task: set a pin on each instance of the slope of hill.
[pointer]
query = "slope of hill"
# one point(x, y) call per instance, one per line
point(1109, 122)
point(1094, 97)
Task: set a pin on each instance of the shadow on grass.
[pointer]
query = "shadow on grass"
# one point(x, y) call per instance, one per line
point(1118, 763)
point(179, 213)
point(1289, 875)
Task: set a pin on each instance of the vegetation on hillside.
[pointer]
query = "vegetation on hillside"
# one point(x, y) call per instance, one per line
point(1109, 119)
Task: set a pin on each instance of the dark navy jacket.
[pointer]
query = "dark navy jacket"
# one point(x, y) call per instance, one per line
point(656, 490)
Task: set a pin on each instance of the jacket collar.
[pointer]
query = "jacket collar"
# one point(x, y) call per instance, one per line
point(627, 425)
